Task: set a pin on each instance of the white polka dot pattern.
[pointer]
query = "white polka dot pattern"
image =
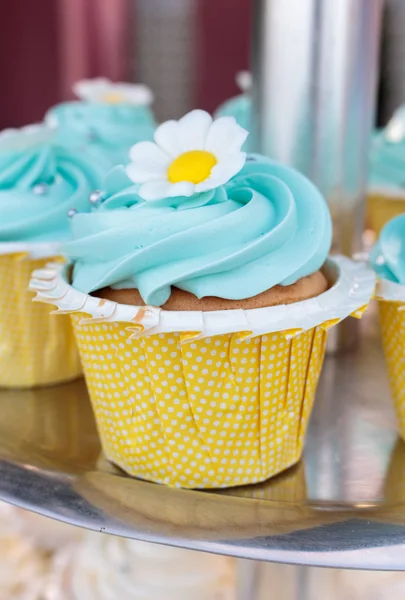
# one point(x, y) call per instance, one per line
point(393, 334)
point(216, 412)
point(36, 348)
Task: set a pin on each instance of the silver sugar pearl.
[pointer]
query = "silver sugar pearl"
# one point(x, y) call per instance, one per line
point(40, 189)
point(72, 212)
point(96, 197)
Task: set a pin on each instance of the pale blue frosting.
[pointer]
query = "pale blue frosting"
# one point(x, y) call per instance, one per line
point(387, 154)
point(240, 108)
point(106, 130)
point(38, 186)
point(268, 225)
point(388, 254)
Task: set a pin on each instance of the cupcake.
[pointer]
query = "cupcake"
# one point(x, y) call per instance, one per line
point(388, 261)
point(39, 183)
point(240, 107)
point(106, 120)
point(104, 567)
point(200, 299)
point(386, 185)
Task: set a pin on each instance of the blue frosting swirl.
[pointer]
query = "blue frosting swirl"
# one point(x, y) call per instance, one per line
point(240, 107)
point(38, 186)
point(268, 225)
point(106, 130)
point(387, 154)
point(388, 254)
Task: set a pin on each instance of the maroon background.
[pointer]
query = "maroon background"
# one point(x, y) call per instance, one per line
point(37, 48)
point(28, 60)
point(224, 48)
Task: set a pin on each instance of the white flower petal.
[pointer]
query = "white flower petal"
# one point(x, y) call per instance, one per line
point(96, 90)
point(167, 137)
point(155, 190)
point(133, 93)
point(223, 172)
point(91, 89)
point(194, 128)
point(150, 152)
point(182, 188)
point(141, 172)
point(225, 137)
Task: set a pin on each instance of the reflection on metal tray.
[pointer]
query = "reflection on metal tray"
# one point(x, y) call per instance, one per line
point(344, 505)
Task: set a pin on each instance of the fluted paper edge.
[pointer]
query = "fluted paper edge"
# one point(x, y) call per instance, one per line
point(350, 295)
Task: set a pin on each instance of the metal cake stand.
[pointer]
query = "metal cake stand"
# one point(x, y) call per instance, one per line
point(342, 506)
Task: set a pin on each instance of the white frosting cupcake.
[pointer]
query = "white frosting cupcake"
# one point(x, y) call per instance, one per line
point(106, 568)
point(47, 534)
point(23, 568)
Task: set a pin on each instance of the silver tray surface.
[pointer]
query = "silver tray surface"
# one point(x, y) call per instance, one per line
point(342, 506)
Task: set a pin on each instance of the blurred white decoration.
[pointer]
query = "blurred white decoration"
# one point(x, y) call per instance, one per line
point(395, 129)
point(104, 567)
point(244, 81)
point(392, 59)
point(105, 91)
point(23, 568)
point(47, 534)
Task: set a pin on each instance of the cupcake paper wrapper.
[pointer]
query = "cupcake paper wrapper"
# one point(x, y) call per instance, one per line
point(391, 297)
point(35, 349)
point(382, 206)
point(204, 400)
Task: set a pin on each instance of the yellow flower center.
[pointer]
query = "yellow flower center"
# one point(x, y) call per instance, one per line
point(194, 166)
point(113, 98)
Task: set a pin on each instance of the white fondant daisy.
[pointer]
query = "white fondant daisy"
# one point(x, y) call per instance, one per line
point(192, 155)
point(244, 81)
point(14, 140)
point(104, 90)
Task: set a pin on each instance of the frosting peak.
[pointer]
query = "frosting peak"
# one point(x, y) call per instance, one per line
point(267, 225)
point(388, 255)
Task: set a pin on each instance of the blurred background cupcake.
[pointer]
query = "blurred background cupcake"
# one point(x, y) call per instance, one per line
point(40, 182)
point(106, 121)
point(103, 567)
point(23, 567)
point(388, 261)
point(386, 184)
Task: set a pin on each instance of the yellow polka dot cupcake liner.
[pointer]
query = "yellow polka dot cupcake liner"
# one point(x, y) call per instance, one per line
point(35, 348)
point(391, 298)
point(204, 400)
point(381, 207)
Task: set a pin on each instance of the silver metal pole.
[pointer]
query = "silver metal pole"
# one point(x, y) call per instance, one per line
point(314, 83)
point(314, 74)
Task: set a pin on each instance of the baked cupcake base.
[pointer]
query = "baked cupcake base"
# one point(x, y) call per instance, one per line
point(307, 287)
